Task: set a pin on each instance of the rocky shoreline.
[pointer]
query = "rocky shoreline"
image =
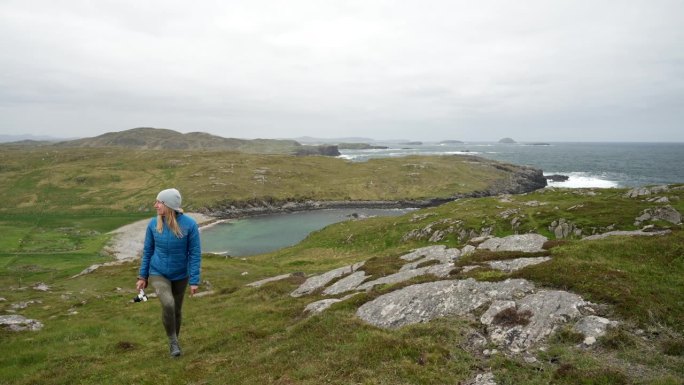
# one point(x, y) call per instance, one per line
point(523, 180)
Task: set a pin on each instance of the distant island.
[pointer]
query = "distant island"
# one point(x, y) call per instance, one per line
point(451, 142)
point(360, 146)
point(412, 143)
point(507, 141)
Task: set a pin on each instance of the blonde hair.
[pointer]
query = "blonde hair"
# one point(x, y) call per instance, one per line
point(171, 222)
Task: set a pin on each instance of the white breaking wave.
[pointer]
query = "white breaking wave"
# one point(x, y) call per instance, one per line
point(582, 180)
point(396, 153)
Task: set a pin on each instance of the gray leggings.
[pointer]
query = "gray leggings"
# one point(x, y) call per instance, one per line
point(170, 295)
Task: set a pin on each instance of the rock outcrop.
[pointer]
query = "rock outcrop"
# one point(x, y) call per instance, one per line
point(427, 301)
point(646, 191)
point(319, 281)
point(593, 327)
point(510, 265)
point(16, 323)
point(517, 325)
point(516, 314)
point(524, 242)
point(271, 279)
point(557, 178)
point(561, 228)
point(621, 233)
point(663, 213)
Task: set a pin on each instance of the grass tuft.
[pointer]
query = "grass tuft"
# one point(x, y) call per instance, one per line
point(569, 374)
point(510, 317)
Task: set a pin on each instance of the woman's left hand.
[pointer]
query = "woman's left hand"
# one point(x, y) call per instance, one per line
point(193, 289)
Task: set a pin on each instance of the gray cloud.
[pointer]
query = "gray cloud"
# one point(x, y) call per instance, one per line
point(429, 70)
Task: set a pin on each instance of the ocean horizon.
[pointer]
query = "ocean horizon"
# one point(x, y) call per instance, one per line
point(586, 164)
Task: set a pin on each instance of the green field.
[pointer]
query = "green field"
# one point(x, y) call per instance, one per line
point(57, 212)
point(118, 179)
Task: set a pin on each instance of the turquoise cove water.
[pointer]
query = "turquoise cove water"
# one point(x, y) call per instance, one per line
point(265, 233)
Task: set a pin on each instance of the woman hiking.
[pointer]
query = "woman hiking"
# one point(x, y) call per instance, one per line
point(171, 259)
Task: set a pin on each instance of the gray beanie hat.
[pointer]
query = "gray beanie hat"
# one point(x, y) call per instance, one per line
point(171, 198)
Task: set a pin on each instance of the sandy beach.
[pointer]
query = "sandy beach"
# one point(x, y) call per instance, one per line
point(127, 241)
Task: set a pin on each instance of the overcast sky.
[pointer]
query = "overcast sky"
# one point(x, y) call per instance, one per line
point(575, 70)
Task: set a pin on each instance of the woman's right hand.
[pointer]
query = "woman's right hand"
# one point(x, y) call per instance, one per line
point(141, 284)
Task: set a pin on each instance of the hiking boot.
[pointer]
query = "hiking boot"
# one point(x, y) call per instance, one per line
point(174, 348)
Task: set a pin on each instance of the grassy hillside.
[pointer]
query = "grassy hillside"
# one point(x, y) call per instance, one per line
point(241, 335)
point(45, 179)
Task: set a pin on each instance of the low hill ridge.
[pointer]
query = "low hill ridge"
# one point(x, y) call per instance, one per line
point(149, 138)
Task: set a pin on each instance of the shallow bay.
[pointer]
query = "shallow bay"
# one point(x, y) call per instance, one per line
point(265, 233)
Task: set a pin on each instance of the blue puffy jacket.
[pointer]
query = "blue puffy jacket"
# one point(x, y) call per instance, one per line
point(171, 257)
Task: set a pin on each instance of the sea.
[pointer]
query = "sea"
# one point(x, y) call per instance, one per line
point(588, 165)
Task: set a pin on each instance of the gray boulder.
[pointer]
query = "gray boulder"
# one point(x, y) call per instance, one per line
point(482, 379)
point(319, 281)
point(16, 323)
point(563, 229)
point(642, 191)
point(664, 213)
point(528, 243)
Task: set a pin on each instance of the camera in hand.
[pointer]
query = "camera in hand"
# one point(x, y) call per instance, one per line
point(141, 297)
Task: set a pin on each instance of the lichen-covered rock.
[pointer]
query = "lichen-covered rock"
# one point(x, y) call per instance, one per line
point(622, 233)
point(467, 250)
point(528, 243)
point(319, 281)
point(322, 305)
point(516, 264)
point(641, 191)
point(347, 283)
point(431, 253)
point(593, 327)
point(41, 286)
point(482, 379)
point(563, 229)
point(271, 279)
point(441, 271)
point(496, 308)
point(545, 311)
point(16, 323)
point(428, 251)
point(427, 301)
point(664, 213)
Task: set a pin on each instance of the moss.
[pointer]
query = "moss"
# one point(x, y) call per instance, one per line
point(569, 374)
point(617, 339)
point(673, 346)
